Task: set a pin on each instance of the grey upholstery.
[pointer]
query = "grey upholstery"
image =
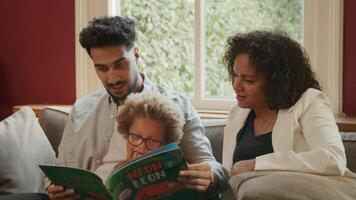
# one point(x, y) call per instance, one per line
point(349, 140)
point(214, 129)
point(53, 121)
point(25, 196)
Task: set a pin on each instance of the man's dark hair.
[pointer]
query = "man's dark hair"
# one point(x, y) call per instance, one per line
point(282, 59)
point(107, 31)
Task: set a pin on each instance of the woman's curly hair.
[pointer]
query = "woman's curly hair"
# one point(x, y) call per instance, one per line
point(107, 31)
point(282, 59)
point(154, 106)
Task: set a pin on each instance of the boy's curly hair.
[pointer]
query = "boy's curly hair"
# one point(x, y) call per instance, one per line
point(154, 106)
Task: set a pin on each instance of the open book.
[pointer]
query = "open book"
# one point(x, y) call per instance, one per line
point(151, 176)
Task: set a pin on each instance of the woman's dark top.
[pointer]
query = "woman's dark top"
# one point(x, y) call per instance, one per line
point(248, 146)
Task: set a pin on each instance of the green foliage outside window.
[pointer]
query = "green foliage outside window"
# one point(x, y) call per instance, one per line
point(165, 40)
point(166, 36)
point(227, 17)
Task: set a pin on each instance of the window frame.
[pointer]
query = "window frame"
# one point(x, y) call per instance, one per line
point(323, 31)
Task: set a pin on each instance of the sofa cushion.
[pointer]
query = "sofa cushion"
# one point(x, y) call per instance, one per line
point(349, 140)
point(23, 146)
point(214, 131)
point(52, 120)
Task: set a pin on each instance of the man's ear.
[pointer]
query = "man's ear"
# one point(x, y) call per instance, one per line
point(136, 54)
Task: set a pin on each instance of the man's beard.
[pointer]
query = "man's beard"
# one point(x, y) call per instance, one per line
point(132, 89)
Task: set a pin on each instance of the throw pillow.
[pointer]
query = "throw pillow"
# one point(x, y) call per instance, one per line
point(23, 146)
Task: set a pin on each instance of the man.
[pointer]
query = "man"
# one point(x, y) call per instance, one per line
point(89, 141)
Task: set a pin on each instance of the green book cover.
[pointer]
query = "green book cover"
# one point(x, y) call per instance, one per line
point(81, 180)
point(151, 176)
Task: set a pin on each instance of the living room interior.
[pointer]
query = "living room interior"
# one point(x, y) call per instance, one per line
point(50, 70)
point(43, 66)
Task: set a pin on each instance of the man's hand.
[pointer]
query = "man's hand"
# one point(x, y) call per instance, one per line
point(56, 192)
point(243, 166)
point(197, 177)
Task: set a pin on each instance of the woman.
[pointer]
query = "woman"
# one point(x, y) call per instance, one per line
point(282, 119)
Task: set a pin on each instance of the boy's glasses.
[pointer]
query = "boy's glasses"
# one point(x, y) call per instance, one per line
point(150, 144)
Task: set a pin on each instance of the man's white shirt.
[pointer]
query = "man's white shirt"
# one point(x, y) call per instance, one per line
point(116, 153)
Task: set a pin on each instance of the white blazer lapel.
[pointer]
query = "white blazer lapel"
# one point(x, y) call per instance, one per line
point(282, 134)
point(235, 122)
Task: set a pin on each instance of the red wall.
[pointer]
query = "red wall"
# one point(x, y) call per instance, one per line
point(349, 74)
point(37, 53)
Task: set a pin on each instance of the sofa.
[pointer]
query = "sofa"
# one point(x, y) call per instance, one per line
point(53, 121)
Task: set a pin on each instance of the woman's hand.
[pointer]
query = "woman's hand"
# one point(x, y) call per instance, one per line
point(243, 166)
point(56, 192)
point(197, 177)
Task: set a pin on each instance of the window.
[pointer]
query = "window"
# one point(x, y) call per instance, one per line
point(224, 18)
point(165, 40)
point(182, 42)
